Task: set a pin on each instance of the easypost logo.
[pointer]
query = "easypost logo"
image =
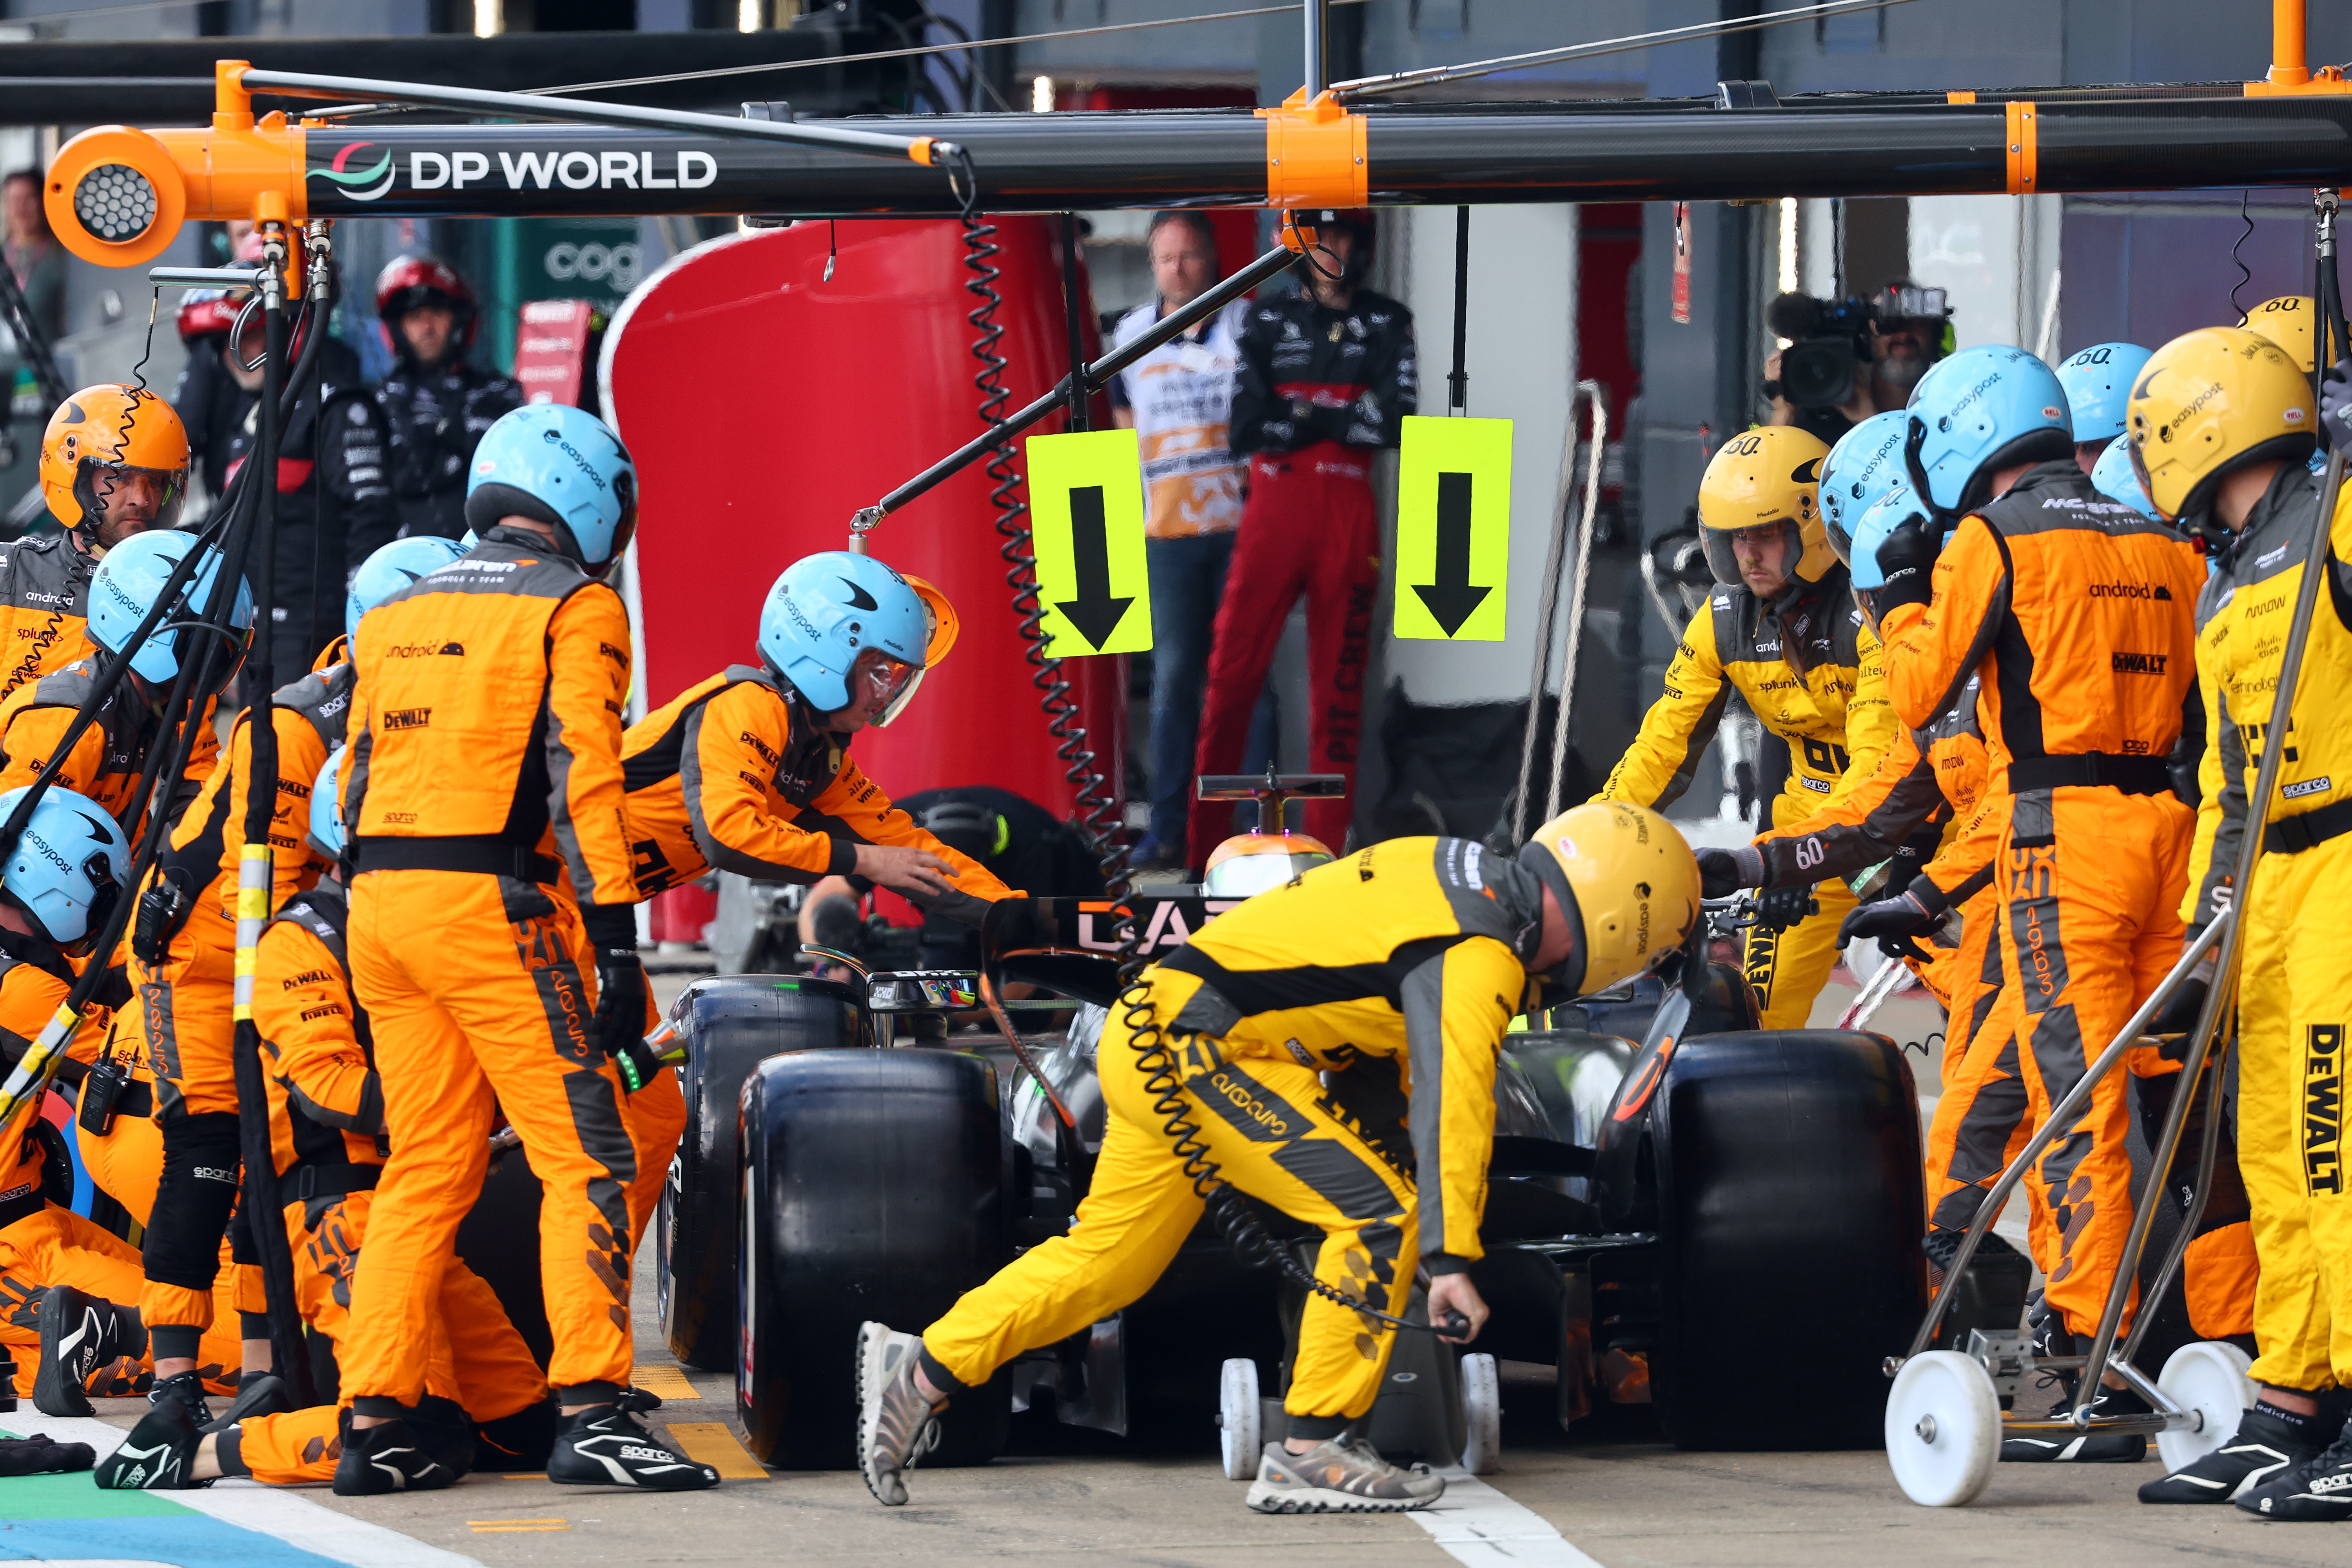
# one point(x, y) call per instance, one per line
point(360, 185)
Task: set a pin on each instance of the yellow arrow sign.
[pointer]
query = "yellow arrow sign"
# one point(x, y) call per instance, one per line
point(1086, 514)
point(1454, 529)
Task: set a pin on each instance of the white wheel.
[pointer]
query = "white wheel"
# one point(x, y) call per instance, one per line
point(1482, 1415)
point(2210, 1378)
point(1943, 1428)
point(1238, 1420)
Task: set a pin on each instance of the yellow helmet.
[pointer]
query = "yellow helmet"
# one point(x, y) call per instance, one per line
point(1626, 876)
point(2210, 401)
point(1765, 480)
point(107, 435)
point(2286, 321)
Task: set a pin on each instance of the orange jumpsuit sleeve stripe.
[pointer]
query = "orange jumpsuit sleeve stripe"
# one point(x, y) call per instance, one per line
point(587, 686)
point(1932, 650)
point(1657, 767)
point(726, 771)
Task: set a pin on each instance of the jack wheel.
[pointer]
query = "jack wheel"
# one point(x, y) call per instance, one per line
point(1943, 1428)
point(1237, 1419)
point(2209, 1377)
point(1481, 1415)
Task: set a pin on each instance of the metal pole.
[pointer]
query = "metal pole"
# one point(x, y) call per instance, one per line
point(533, 106)
point(1264, 267)
point(1546, 614)
point(1317, 18)
point(1576, 600)
point(1078, 377)
point(1457, 383)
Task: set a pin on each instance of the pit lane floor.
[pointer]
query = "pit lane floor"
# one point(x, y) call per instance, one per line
point(1614, 1493)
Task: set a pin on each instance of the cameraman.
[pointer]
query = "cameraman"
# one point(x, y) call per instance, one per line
point(1895, 334)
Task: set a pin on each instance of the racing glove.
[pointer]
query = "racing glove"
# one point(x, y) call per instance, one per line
point(1896, 923)
point(2181, 1010)
point(1781, 908)
point(1723, 872)
point(2335, 406)
point(621, 996)
point(1907, 561)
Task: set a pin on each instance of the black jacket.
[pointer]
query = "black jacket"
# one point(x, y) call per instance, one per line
point(1357, 371)
point(436, 417)
point(334, 505)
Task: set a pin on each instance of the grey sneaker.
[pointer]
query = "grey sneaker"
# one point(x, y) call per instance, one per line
point(895, 1425)
point(1340, 1477)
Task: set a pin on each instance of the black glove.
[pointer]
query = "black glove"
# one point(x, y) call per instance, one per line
point(2178, 1016)
point(1723, 872)
point(621, 995)
point(2335, 406)
point(1895, 921)
point(1906, 559)
point(1781, 908)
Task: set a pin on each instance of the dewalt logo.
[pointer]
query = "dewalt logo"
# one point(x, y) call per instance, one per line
point(2323, 1108)
point(2138, 663)
point(407, 718)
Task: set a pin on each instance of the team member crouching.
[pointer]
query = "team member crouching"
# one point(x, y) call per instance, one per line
point(1443, 943)
point(2220, 426)
point(484, 796)
point(62, 879)
point(750, 771)
point(1780, 632)
point(485, 1396)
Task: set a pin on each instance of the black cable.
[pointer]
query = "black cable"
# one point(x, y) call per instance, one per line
point(2245, 273)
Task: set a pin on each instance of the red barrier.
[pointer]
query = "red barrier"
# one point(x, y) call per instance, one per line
point(764, 406)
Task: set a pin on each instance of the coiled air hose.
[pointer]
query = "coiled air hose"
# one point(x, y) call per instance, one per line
point(1244, 1231)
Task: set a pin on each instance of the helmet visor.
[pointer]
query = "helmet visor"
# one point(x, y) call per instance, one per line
point(2139, 469)
point(1770, 549)
point(884, 684)
point(116, 495)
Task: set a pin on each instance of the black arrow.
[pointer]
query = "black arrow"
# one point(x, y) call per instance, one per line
point(1094, 614)
point(1452, 599)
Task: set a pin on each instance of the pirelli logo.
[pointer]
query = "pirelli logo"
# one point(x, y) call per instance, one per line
point(407, 718)
point(2323, 1108)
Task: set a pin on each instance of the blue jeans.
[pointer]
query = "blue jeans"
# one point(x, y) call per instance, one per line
point(1187, 578)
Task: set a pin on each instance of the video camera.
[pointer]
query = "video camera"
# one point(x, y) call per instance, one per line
point(1827, 338)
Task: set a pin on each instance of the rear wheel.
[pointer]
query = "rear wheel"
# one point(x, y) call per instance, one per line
point(873, 1185)
point(731, 1024)
point(1788, 1200)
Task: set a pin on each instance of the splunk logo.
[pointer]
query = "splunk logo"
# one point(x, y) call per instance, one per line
point(362, 179)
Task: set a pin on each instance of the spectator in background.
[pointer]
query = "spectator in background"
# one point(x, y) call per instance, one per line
point(333, 505)
point(1178, 400)
point(35, 258)
point(1327, 373)
point(436, 404)
point(1901, 344)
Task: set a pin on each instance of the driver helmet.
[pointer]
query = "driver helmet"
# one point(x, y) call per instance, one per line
point(1249, 863)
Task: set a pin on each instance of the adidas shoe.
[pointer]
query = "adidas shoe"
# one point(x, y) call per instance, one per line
point(1340, 1477)
point(79, 1335)
point(386, 1457)
point(897, 1425)
point(188, 1389)
point(265, 1393)
point(2263, 1449)
point(159, 1454)
point(605, 1446)
point(2051, 1337)
point(2317, 1491)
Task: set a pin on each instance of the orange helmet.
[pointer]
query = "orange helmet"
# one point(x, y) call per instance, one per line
point(113, 432)
point(1249, 863)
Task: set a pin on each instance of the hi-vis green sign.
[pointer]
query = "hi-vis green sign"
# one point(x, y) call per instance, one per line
point(1086, 509)
point(1454, 529)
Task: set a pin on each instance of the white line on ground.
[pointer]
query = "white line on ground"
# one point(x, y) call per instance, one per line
point(270, 1510)
point(1475, 1523)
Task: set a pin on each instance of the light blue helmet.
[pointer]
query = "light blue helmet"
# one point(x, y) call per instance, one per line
point(2113, 476)
point(389, 570)
point(66, 870)
point(326, 833)
point(1866, 462)
point(124, 589)
point(2098, 382)
point(559, 466)
point(1881, 518)
point(828, 608)
point(1982, 410)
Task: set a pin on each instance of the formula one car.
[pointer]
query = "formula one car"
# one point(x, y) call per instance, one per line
point(1720, 1219)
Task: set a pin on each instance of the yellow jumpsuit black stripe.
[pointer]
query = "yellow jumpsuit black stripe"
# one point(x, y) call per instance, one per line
point(1394, 972)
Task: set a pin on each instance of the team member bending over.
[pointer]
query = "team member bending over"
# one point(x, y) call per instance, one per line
point(1400, 966)
point(1780, 632)
point(485, 1398)
point(484, 797)
point(2220, 426)
point(2073, 614)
